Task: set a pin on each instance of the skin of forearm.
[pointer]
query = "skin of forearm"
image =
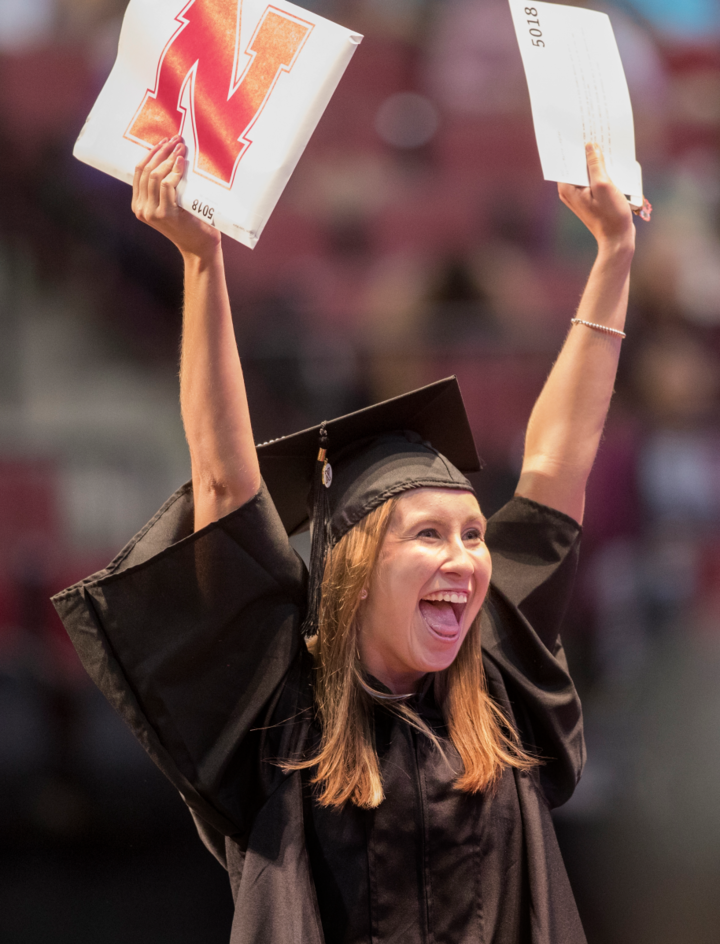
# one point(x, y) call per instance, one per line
point(567, 421)
point(213, 401)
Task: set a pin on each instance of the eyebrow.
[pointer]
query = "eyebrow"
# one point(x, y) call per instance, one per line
point(433, 519)
point(484, 522)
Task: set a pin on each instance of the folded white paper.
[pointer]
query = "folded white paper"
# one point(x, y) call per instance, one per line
point(244, 81)
point(578, 93)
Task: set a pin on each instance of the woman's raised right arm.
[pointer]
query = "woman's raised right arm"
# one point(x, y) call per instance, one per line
point(225, 470)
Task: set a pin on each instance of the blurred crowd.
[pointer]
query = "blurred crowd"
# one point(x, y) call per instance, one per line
point(415, 239)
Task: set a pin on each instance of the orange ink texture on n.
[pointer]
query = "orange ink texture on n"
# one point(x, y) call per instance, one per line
point(204, 52)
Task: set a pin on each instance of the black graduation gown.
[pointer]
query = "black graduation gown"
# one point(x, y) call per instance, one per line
point(194, 638)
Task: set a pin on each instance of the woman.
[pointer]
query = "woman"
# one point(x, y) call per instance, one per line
point(390, 781)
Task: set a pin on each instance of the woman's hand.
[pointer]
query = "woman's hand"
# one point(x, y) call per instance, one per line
point(601, 206)
point(154, 201)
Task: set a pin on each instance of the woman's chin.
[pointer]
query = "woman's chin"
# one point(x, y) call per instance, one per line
point(437, 658)
point(438, 649)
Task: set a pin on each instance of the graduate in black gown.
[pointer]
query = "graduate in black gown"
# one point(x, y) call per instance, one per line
point(373, 750)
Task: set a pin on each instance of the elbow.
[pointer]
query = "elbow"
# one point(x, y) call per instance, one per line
point(560, 488)
point(228, 489)
point(215, 497)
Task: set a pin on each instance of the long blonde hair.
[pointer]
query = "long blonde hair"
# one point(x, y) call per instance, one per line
point(346, 761)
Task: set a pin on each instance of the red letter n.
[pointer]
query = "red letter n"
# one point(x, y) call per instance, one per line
point(204, 52)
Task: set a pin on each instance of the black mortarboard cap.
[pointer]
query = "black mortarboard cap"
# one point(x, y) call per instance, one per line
point(339, 471)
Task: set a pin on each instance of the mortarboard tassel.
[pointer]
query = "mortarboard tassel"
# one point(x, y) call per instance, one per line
point(322, 479)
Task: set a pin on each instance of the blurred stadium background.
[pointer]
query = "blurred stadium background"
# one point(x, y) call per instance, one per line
point(416, 239)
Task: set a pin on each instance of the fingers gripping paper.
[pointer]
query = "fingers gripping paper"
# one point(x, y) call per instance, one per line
point(578, 93)
point(245, 82)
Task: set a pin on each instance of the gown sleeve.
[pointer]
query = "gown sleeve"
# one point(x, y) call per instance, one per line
point(534, 551)
point(192, 637)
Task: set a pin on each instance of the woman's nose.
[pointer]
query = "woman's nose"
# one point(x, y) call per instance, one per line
point(458, 559)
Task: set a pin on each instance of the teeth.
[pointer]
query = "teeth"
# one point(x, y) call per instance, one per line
point(447, 597)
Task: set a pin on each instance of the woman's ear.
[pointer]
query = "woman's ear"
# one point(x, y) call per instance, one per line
point(363, 594)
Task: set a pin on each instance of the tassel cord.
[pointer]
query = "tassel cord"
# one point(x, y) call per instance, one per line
point(320, 537)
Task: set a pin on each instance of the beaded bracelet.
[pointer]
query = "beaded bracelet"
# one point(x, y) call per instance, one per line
point(599, 327)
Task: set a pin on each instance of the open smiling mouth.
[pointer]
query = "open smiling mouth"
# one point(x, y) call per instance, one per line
point(442, 611)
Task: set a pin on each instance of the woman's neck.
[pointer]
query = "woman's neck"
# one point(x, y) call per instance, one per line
point(398, 682)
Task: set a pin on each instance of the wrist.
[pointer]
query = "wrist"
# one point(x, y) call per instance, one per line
point(617, 248)
point(203, 257)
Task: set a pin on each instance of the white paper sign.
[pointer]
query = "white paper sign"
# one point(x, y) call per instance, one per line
point(578, 93)
point(244, 81)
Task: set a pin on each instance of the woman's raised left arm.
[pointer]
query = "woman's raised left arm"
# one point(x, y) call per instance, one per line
point(567, 421)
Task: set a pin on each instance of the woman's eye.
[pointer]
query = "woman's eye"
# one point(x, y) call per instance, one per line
point(474, 534)
point(428, 533)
